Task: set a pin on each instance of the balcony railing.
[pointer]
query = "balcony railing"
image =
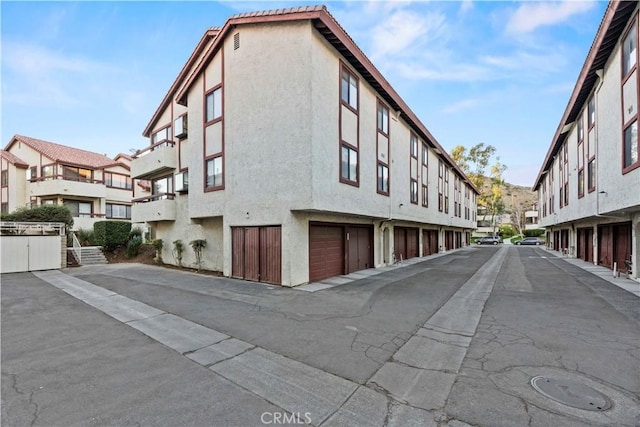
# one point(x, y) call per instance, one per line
point(158, 158)
point(157, 207)
point(60, 185)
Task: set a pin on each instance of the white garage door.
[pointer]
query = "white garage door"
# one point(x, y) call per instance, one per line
point(29, 253)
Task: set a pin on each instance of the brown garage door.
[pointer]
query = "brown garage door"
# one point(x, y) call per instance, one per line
point(405, 243)
point(360, 254)
point(256, 254)
point(429, 242)
point(326, 251)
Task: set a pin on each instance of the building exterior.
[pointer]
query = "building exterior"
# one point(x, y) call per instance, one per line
point(93, 186)
point(284, 148)
point(589, 183)
point(531, 219)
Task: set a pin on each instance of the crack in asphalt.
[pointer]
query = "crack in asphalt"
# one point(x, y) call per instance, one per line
point(14, 385)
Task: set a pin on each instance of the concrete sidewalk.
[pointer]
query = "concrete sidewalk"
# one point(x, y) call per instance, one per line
point(432, 358)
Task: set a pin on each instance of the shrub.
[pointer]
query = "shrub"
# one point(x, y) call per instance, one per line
point(135, 232)
point(178, 249)
point(133, 246)
point(111, 234)
point(158, 244)
point(506, 231)
point(198, 247)
point(43, 213)
point(84, 236)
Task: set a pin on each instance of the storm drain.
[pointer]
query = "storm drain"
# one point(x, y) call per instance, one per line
point(571, 393)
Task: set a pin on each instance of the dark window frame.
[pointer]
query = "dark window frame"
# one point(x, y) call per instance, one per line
point(4, 178)
point(211, 93)
point(214, 187)
point(346, 72)
point(380, 190)
point(347, 179)
point(635, 164)
point(109, 181)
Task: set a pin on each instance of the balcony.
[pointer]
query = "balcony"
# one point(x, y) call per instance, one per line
point(159, 158)
point(57, 185)
point(159, 207)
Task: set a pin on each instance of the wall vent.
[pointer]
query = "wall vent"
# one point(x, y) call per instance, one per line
point(236, 41)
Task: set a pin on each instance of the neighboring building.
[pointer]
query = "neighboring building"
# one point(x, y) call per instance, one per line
point(285, 148)
point(589, 183)
point(93, 186)
point(531, 219)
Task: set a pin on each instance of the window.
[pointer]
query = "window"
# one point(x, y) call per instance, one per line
point(5, 207)
point(591, 175)
point(162, 186)
point(581, 183)
point(115, 180)
point(48, 172)
point(213, 106)
point(79, 209)
point(414, 191)
point(349, 89)
point(118, 211)
point(4, 178)
point(425, 196)
point(414, 146)
point(348, 164)
point(383, 119)
point(580, 129)
point(629, 46)
point(214, 173)
point(33, 172)
point(383, 179)
point(446, 191)
point(440, 185)
point(72, 173)
point(591, 112)
point(631, 145)
point(425, 176)
point(161, 135)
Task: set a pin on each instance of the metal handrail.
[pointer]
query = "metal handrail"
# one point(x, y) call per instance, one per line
point(77, 248)
point(154, 197)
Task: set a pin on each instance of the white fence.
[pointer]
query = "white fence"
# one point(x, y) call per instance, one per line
point(31, 246)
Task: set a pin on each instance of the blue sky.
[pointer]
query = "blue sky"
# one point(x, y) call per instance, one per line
point(91, 74)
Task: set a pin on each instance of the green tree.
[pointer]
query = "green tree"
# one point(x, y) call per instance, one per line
point(43, 213)
point(198, 248)
point(475, 162)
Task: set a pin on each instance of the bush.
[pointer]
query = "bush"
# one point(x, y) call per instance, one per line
point(536, 232)
point(506, 231)
point(85, 237)
point(133, 246)
point(198, 247)
point(135, 232)
point(111, 234)
point(158, 244)
point(178, 249)
point(43, 213)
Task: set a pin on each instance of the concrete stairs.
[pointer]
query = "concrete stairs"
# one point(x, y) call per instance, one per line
point(91, 255)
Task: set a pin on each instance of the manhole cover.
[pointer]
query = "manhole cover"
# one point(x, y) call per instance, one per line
point(571, 393)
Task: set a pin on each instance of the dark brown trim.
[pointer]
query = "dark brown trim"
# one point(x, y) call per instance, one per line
point(605, 42)
point(204, 107)
point(341, 142)
point(387, 164)
point(207, 124)
point(208, 35)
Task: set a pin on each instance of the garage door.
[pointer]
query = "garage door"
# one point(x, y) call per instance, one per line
point(257, 254)
point(360, 255)
point(326, 251)
point(405, 243)
point(429, 242)
point(30, 253)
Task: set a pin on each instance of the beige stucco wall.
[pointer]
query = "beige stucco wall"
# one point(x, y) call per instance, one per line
point(281, 151)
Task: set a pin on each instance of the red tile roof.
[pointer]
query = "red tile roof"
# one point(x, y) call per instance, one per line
point(64, 154)
point(12, 158)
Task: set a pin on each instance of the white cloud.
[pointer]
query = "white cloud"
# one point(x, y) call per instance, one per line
point(465, 104)
point(37, 76)
point(531, 15)
point(405, 31)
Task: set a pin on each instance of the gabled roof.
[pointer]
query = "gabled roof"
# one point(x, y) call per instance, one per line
point(210, 34)
point(13, 159)
point(63, 154)
point(613, 23)
point(329, 28)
